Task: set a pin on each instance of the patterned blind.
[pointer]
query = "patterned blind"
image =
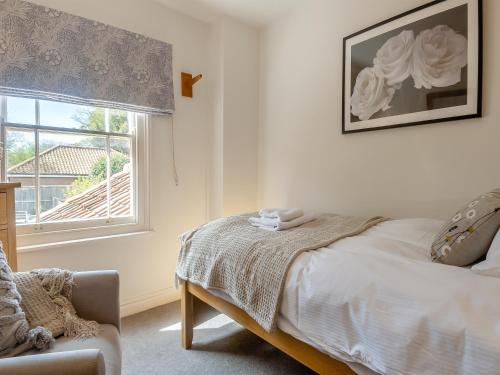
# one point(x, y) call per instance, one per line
point(49, 54)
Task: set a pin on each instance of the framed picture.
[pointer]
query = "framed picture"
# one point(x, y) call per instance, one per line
point(420, 67)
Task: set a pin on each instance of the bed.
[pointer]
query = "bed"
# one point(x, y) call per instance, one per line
point(375, 303)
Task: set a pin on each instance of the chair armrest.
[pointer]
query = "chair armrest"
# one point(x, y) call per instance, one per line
point(77, 362)
point(96, 296)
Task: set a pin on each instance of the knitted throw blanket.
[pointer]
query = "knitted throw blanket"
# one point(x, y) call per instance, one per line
point(250, 264)
point(16, 336)
point(46, 301)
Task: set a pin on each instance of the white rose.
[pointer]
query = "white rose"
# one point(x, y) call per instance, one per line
point(439, 55)
point(394, 57)
point(370, 94)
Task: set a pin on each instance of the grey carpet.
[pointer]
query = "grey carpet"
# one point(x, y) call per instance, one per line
point(149, 347)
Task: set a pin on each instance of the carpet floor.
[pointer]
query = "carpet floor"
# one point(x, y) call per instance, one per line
point(151, 345)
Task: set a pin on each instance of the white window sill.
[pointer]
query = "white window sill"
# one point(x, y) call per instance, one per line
point(55, 245)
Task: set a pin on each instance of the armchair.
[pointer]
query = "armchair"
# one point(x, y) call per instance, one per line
point(95, 297)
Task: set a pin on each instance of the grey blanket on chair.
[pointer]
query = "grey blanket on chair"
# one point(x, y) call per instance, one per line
point(250, 264)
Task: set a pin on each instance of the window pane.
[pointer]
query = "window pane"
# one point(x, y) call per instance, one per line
point(71, 116)
point(20, 164)
point(73, 172)
point(118, 121)
point(21, 111)
point(121, 182)
point(25, 200)
point(20, 149)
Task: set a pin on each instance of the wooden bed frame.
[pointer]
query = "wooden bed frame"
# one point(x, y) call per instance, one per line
point(300, 351)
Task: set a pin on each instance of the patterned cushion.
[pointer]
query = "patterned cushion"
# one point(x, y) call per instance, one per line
point(467, 236)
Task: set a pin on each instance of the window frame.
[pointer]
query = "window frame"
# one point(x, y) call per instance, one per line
point(43, 234)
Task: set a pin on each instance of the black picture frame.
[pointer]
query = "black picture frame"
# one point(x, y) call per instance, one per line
point(475, 107)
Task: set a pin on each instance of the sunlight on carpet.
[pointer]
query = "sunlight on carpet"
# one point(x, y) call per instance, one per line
point(217, 321)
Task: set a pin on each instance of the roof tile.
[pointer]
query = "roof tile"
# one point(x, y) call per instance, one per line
point(92, 203)
point(62, 160)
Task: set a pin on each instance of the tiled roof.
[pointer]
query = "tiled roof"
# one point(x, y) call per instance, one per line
point(62, 160)
point(92, 203)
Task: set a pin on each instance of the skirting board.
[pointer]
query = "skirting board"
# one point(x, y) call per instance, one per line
point(149, 301)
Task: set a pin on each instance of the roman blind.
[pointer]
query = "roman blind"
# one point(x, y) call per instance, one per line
point(52, 55)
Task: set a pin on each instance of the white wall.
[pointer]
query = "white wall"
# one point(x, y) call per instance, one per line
point(147, 262)
point(236, 118)
point(305, 161)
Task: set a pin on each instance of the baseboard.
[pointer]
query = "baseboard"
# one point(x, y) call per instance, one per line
point(148, 301)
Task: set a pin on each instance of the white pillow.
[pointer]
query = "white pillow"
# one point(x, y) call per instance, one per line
point(494, 249)
point(490, 266)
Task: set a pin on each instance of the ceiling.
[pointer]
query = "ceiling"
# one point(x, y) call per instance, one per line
point(258, 13)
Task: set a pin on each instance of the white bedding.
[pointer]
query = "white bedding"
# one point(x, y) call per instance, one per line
point(378, 300)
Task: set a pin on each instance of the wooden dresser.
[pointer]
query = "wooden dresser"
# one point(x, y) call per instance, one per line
point(8, 222)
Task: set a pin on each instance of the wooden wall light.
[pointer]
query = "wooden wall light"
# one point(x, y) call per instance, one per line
point(187, 82)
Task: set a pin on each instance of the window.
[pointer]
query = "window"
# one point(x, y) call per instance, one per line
point(77, 165)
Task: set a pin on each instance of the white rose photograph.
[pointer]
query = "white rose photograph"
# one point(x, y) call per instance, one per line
point(417, 68)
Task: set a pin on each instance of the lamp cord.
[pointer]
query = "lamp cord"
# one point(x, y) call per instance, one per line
point(174, 164)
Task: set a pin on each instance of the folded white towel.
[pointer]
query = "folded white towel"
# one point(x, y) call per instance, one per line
point(282, 214)
point(282, 225)
point(263, 221)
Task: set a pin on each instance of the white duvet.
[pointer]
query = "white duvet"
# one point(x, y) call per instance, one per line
point(376, 299)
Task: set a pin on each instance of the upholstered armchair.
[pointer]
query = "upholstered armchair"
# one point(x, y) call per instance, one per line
point(95, 297)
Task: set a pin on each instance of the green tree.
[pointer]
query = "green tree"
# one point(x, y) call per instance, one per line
point(19, 146)
point(19, 154)
point(118, 161)
point(79, 185)
point(93, 119)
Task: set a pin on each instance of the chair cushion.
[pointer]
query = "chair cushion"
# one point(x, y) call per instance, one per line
point(108, 341)
point(467, 237)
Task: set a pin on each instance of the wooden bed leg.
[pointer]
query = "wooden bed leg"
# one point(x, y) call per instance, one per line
point(187, 316)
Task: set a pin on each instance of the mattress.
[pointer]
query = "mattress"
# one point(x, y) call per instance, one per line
point(376, 302)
